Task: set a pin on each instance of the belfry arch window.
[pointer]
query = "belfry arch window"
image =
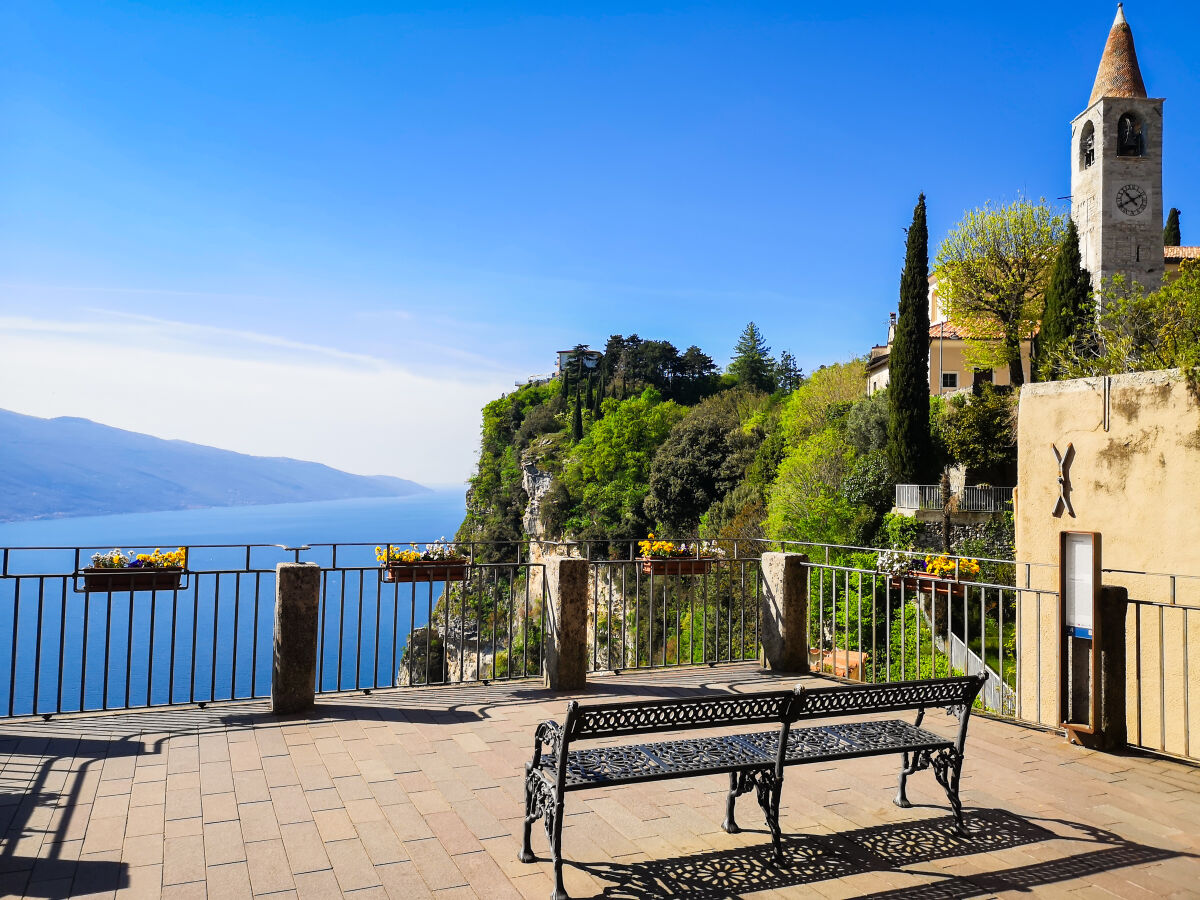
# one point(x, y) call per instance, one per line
point(1087, 145)
point(1131, 137)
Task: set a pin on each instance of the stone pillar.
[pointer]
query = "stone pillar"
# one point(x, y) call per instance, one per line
point(294, 671)
point(785, 611)
point(566, 623)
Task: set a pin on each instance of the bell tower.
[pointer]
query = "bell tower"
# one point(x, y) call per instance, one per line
point(1116, 169)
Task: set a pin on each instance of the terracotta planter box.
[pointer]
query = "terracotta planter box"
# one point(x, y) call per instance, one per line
point(109, 580)
point(424, 571)
point(929, 584)
point(680, 566)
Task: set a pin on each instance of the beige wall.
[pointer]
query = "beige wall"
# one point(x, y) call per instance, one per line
point(1135, 478)
point(946, 355)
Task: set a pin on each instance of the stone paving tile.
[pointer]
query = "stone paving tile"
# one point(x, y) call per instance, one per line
point(414, 794)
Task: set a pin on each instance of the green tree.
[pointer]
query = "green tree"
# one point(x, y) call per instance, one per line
point(1068, 313)
point(1142, 331)
point(981, 433)
point(867, 423)
point(993, 270)
point(752, 366)
point(703, 457)
point(591, 397)
point(1171, 235)
point(909, 448)
point(576, 419)
point(788, 375)
point(608, 471)
point(824, 399)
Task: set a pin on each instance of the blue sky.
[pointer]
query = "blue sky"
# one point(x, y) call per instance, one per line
point(375, 217)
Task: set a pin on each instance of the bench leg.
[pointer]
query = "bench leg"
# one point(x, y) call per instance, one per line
point(554, 830)
point(533, 811)
point(908, 767)
point(769, 789)
point(730, 825)
point(947, 768)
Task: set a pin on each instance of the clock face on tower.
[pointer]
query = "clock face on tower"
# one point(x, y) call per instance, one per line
point(1131, 200)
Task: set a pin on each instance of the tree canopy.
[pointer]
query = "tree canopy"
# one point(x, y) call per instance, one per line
point(993, 270)
point(752, 366)
point(1069, 308)
point(1171, 236)
point(909, 450)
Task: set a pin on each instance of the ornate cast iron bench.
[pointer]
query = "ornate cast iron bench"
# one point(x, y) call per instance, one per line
point(919, 747)
point(752, 761)
point(550, 776)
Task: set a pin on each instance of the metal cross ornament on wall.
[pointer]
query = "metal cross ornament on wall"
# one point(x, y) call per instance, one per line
point(1064, 480)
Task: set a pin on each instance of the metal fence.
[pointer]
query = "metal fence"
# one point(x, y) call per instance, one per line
point(870, 626)
point(72, 649)
point(673, 613)
point(73, 646)
point(977, 498)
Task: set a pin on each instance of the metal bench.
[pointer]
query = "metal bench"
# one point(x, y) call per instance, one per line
point(550, 776)
point(920, 748)
point(752, 761)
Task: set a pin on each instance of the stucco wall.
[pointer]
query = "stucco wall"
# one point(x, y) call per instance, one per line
point(1135, 478)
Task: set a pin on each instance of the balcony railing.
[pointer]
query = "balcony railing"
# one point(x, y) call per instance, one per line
point(970, 499)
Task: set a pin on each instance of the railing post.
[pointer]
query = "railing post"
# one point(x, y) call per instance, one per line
point(785, 611)
point(294, 668)
point(566, 623)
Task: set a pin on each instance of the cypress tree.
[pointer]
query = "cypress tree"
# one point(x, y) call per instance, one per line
point(1068, 303)
point(591, 397)
point(909, 446)
point(599, 397)
point(577, 419)
point(563, 386)
point(1171, 232)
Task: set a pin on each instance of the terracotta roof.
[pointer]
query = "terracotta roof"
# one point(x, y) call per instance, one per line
point(947, 331)
point(1174, 254)
point(1118, 75)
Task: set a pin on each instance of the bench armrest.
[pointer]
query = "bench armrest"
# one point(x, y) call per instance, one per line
point(548, 734)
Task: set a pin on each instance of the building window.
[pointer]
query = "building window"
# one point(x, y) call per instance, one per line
point(1087, 146)
point(1131, 139)
point(949, 381)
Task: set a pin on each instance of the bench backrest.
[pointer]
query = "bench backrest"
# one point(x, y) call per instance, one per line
point(817, 703)
point(680, 714)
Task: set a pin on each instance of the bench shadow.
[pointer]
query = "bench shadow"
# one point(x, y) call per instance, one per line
point(814, 858)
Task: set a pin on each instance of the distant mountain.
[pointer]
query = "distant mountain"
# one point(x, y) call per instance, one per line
point(76, 467)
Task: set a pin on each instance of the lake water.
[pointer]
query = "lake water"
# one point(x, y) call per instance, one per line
point(212, 638)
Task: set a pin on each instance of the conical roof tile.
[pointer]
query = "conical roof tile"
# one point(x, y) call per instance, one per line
point(1118, 75)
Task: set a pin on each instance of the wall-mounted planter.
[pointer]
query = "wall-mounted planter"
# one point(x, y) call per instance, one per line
point(424, 571)
point(939, 587)
point(680, 566)
point(98, 580)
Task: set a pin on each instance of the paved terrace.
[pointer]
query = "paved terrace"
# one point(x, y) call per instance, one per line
point(417, 793)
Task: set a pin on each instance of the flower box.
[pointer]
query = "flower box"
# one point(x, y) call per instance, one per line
point(108, 580)
point(922, 581)
point(679, 566)
point(423, 571)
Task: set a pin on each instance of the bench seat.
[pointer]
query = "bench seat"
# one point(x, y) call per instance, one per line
point(629, 764)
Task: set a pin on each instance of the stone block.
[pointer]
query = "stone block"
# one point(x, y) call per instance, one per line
point(566, 623)
point(785, 611)
point(294, 669)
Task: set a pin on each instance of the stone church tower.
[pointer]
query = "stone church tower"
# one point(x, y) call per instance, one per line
point(1116, 169)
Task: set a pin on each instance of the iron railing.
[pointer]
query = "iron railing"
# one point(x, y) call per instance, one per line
point(671, 613)
point(978, 498)
point(75, 649)
point(867, 625)
point(72, 649)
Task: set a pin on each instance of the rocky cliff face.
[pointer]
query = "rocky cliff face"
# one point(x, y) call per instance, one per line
point(536, 484)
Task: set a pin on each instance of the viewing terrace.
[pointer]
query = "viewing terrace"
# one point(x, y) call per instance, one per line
point(417, 792)
point(406, 785)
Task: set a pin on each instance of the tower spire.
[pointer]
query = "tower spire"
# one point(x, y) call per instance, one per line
point(1118, 75)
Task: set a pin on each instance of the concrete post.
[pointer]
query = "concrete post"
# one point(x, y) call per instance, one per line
point(785, 611)
point(294, 671)
point(566, 623)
